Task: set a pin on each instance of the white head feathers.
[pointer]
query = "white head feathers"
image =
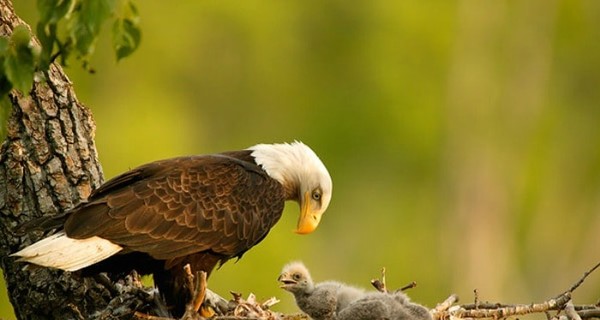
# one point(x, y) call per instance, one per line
point(300, 171)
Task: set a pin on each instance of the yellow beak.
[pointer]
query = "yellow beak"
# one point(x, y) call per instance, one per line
point(309, 220)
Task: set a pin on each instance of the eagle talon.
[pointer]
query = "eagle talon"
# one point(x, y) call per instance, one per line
point(215, 303)
point(206, 312)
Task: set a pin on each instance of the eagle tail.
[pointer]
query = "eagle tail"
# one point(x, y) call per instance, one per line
point(61, 252)
point(45, 223)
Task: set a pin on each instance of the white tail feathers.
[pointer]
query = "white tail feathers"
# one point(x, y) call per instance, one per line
point(61, 252)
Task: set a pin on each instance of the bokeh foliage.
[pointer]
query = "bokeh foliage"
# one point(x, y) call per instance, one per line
point(463, 137)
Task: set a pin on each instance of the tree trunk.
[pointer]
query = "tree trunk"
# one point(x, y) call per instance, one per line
point(49, 163)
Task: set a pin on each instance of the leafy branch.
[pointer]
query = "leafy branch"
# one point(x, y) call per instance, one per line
point(65, 28)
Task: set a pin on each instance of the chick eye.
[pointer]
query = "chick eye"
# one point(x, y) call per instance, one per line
point(316, 195)
point(296, 276)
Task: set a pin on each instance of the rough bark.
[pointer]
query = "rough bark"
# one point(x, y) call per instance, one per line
point(48, 163)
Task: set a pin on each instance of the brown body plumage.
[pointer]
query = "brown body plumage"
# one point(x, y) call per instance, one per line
point(201, 210)
point(193, 204)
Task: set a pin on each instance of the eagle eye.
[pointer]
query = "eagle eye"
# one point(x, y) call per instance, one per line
point(296, 276)
point(316, 195)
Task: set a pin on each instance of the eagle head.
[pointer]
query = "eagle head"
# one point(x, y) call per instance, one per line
point(303, 176)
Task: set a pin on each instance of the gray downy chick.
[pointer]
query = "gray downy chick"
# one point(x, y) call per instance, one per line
point(414, 310)
point(321, 301)
point(379, 305)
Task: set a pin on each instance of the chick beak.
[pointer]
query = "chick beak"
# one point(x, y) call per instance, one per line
point(285, 281)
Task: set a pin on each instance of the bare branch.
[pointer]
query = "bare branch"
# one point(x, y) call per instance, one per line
point(570, 311)
point(446, 304)
point(411, 285)
point(499, 311)
point(380, 285)
point(585, 275)
point(591, 313)
point(512, 310)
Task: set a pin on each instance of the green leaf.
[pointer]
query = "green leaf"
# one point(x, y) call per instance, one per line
point(126, 32)
point(61, 10)
point(126, 37)
point(20, 59)
point(45, 9)
point(20, 37)
point(132, 12)
point(52, 11)
point(19, 72)
point(86, 25)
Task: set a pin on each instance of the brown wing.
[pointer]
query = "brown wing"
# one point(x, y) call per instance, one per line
point(176, 207)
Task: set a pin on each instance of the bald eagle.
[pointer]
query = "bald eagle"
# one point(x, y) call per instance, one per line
point(202, 210)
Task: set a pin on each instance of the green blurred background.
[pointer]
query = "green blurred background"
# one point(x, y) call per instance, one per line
point(463, 137)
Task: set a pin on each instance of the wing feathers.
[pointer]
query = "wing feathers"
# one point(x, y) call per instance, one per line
point(143, 220)
point(182, 206)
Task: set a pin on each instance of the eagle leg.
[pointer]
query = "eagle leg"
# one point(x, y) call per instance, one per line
point(200, 291)
point(197, 286)
point(203, 301)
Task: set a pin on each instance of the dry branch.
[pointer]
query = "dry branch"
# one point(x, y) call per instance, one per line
point(446, 304)
point(560, 303)
point(570, 311)
point(380, 284)
point(408, 286)
point(585, 275)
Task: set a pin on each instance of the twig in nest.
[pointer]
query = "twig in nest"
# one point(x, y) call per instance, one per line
point(592, 313)
point(247, 309)
point(76, 310)
point(476, 298)
point(383, 279)
point(570, 311)
point(380, 285)
point(446, 304)
point(237, 297)
point(142, 316)
point(269, 303)
point(408, 286)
